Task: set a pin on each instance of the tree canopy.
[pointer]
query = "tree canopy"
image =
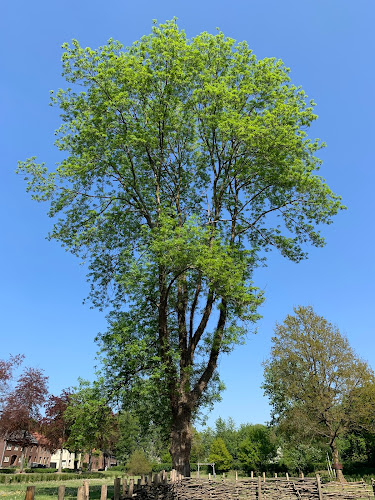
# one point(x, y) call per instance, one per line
point(20, 408)
point(318, 387)
point(184, 161)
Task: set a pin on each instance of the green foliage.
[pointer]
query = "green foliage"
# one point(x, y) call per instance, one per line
point(303, 457)
point(33, 470)
point(220, 456)
point(257, 447)
point(90, 420)
point(138, 463)
point(184, 161)
point(118, 467)
point(128, 436)
point(226, 430)
point(9, 470)
point(319, 388)
point(158, 467)
point(36, 477)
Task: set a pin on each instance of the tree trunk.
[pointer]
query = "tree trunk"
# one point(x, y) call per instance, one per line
point(22, 458)
point(60, 462)
point(181, 437)
point(336, 462)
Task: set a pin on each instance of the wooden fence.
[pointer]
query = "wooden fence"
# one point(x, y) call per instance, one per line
point(159, 487)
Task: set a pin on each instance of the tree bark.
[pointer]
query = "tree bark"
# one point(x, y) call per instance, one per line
point(181, 437)
point(336, 461)
point(22, 458)
point(60, 462)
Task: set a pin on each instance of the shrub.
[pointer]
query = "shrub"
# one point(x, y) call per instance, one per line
point(220, 456)
point(158, 467)
point(10, 470)
point(138, 463)
point(117, 467)
point(34, 470)
point(36, 476)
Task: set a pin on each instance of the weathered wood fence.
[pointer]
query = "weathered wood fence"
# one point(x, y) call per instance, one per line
point(176, 487)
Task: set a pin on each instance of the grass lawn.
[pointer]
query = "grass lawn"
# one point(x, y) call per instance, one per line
point(46, 490)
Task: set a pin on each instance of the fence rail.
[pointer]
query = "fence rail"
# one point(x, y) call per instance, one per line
point(176, 487)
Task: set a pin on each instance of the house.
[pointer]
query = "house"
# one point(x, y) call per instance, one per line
point(36, 452)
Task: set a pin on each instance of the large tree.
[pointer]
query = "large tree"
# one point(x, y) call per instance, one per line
point(318, 387)
point(20, 414)
point(184, 161)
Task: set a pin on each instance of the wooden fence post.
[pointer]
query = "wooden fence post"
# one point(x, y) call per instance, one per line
point(287, 476)
point(259, 488)
point(61, 492)
point(81, 493)
point(86, 489)
point(236, 476)
point(252, 474)
point(116, 488)
point(275, 475)
point(103, 493)
point(319, 487)
point(131, 488)
point(124, 486)
point(30, 493)
point(264, 477)
point(156, 479)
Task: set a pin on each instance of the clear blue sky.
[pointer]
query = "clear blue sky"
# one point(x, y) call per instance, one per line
point(329, 46)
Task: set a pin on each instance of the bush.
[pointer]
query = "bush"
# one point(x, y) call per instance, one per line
point(138, 463)
point(36, 477)
point(158, 467)
point(9, 470)
point(33, 470)
point(117, 467)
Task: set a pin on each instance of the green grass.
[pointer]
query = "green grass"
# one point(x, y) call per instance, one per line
point(45, 490)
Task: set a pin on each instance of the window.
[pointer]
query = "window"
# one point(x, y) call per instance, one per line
point(6, 459)
point(15, 448)
point(9, 447)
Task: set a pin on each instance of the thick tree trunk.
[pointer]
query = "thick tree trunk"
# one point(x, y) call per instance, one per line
point(181, 437)
point(336, 461)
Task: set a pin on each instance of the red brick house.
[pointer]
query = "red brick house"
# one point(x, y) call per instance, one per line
point(36, 452)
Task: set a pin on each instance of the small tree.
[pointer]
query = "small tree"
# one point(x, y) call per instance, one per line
point(138, 463)
point(92, 424)
point(220, 456)
point(302, 457)
point(54, 425)
point(318, 387)
point(20, 415)
point(129, 432)
point(256, 448)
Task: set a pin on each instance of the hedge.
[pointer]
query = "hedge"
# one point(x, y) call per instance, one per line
point(34, 477)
